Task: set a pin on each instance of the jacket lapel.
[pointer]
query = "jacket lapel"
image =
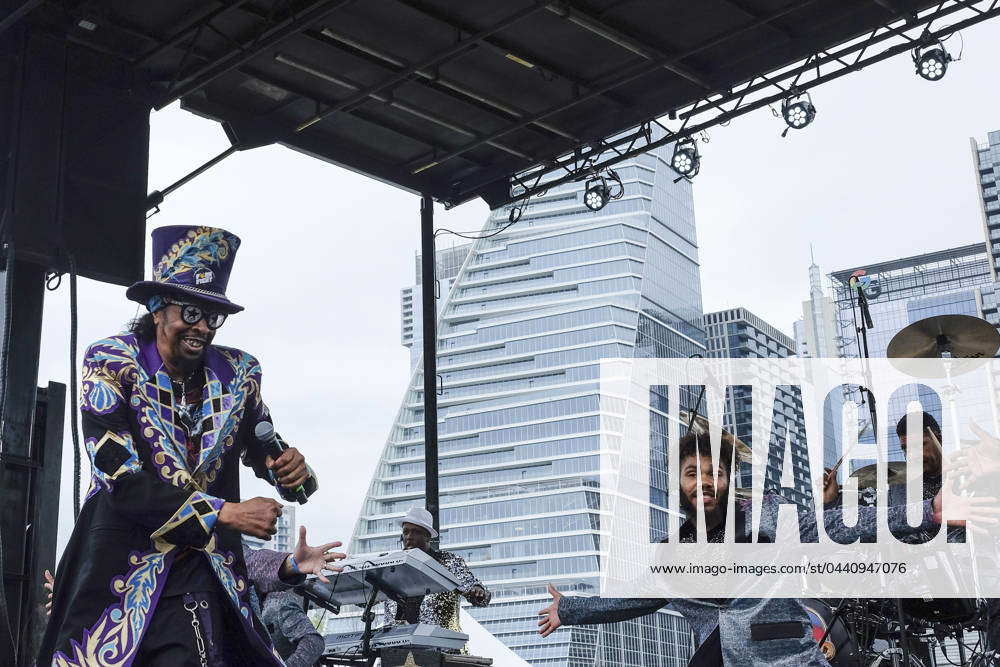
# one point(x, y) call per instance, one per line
point(159, 409)
point(217, 407)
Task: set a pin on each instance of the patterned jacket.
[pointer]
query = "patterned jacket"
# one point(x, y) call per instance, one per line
point(441, 608)
point(784, 622)
point(294, 635)
point(145, 503)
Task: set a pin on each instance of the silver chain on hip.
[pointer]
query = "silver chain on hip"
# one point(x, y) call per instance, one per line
point(192, 607)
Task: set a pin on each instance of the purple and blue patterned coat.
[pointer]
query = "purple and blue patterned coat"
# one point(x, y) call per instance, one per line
point(145, 503)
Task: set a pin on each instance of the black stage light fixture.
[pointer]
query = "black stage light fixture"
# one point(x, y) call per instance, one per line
point(798, 111)
point(686, 160)
point(597, 193)
point(931, 61)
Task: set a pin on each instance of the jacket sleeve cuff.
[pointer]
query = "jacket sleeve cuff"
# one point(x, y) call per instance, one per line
point(193, 522)
point(264, 570)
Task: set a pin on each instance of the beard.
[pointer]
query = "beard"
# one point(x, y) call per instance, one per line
point(722, 502)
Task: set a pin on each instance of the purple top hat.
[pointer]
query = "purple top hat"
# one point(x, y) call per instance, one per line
point(192, 261)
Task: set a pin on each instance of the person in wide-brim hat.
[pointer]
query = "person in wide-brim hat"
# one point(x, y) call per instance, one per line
point(154, 572)
point(437, 608)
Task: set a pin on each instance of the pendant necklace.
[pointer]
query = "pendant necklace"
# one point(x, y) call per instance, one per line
point(183, 382)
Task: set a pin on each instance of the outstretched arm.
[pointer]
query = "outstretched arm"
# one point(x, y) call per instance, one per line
point(592, 610)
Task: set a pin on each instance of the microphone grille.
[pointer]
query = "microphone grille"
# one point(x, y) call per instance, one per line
point(264, 431)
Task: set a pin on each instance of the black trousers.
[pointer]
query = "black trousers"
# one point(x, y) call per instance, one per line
point(190, 630)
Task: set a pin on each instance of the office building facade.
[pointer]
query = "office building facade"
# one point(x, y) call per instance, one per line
point(736, 333)
point(448, 263)
point(816, 332)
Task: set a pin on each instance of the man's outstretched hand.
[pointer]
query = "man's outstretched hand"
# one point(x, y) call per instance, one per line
point(312, 560)
point(550, 615)
point(257, 517)
point(964, 509)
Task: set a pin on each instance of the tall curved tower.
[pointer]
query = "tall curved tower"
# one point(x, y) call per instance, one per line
point(527, 319)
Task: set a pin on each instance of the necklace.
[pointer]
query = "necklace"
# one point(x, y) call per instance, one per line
point(183, 382)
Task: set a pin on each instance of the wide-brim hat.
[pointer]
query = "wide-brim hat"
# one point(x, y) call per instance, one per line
point(418, 516)
point(190, 261)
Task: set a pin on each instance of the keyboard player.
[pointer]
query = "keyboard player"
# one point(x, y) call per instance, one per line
point(437, 608)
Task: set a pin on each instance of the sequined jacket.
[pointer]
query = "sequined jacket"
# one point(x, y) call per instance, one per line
point(146, 502)
point(782, 625)
point(442, 608)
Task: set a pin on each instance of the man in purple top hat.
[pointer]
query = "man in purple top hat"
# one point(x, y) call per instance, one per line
point(154, 573)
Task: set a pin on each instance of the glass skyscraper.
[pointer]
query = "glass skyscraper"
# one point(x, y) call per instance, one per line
point(736, 333)
point(986, 158)
point(531, 312)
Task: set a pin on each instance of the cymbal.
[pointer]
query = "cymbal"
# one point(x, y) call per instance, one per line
point(868, 475)
point(701, 425)
point(969, 340)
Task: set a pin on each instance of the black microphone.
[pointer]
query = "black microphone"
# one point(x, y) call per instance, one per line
point(273, 446)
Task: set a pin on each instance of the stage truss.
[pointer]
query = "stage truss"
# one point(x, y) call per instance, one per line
point(764, 90)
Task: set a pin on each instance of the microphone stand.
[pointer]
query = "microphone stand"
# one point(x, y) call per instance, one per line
point(862, 329)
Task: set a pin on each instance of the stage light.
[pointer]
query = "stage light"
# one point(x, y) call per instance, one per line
point(686, 160)
point(602, 186)
point(931, 61)
point(596, 194)
point(798, 111)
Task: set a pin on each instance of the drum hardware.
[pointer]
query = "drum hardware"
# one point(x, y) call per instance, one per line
point(969, 341)
point(963, 343)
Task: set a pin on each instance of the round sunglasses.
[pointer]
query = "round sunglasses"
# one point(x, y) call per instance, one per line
point(192, 314)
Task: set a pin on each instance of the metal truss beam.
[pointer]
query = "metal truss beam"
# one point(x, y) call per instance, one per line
point(462, 45)
point(641, 48)
point(293, 23)
point(763, 90)
point(609, 83)
point(427, 78)
point(295, 91)
point(531, 60)
point(199, 21)
point(343, 82)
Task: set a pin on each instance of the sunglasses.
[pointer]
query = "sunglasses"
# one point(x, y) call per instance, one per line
point(192, 314)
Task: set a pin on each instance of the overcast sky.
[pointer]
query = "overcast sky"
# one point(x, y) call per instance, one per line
point(884, 171)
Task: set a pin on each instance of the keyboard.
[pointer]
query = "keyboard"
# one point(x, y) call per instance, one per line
point(407, 573)
point(421, 635)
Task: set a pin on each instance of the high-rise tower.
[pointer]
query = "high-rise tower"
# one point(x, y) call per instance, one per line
point(531, 312)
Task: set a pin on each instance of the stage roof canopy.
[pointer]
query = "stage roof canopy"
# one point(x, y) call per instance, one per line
point(452, 97)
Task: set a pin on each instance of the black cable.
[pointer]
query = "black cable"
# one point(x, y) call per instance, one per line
point(466, 235)
point(329, 599)
point(6, 634)
point(74, 415)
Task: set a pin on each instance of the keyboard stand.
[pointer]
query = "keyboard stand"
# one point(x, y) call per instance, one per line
point(368, 616)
